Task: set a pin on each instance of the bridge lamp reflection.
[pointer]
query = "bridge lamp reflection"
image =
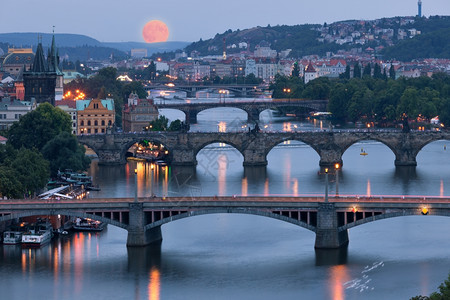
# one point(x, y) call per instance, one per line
point(424, 211)
point(326, 184)
point(337, 166)
point(354, 209)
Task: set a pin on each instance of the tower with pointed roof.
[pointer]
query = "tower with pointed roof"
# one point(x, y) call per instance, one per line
point(41, 80)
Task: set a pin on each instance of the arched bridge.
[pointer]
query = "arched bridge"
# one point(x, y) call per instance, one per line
point(254, 147)
point(143, 218)
point(253, 108)
point(240, 90)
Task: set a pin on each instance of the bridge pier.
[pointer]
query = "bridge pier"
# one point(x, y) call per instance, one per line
point(254, 157)
point(111, 157)
point(183, 157)
point(191, 117)
point(137, 235)
point(404, 157)
point(328, 235)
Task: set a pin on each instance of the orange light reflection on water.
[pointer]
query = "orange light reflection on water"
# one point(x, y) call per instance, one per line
point(244, 186)
point(441, 188)
point(369, 192)
point(266, 187)
point(338, 275)
point(154, 284)
point(78, 245)
point(222, 165)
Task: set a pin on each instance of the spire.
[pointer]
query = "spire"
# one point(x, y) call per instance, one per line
point(39, 64)
point(53, 58)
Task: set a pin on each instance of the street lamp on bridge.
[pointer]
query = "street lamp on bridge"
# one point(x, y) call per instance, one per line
point(326, 184)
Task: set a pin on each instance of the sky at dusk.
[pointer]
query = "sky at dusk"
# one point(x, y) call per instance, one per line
point(190, 20)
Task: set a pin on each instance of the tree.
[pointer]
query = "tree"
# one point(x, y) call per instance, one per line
point(175, 125)
point(392, 72)
point(38, 127)
point(356, 71)
point(295, 70)
point(10, 186)
point(377, 72)
point(33, 170)
point(367, 71)
point(64, 152)
point(346, 74)
point(160, 124)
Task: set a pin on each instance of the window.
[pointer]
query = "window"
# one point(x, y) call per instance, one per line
point(89, 130)
point(89, 123)
point(96, 130)
point(109, 122)
point(96, 123)
point(82, 123)
point(103, 122)
point(103, 130)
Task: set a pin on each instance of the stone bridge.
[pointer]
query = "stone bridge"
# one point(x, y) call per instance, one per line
point(240, 90)
point(253, 108)
point(143, 217)
point(254, 147)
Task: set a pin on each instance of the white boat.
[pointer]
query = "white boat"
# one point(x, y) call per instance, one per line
point(87, 224)
point(38, 235)
point(12, 237)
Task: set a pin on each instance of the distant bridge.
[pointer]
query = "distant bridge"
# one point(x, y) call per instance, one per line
point(240, 90)
point(254, 147)
point(253, 108)
point(143, 218)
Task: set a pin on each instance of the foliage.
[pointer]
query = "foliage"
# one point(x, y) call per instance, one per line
point(37, 127)
point(22, 172)
point(380, 100)
point(64, 152)
point(160, 124)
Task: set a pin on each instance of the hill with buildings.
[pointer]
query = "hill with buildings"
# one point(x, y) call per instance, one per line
point(352, 35)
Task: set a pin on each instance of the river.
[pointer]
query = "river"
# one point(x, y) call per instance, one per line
point(231, 256)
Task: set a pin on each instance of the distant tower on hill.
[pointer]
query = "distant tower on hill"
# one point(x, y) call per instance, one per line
point(419, 8)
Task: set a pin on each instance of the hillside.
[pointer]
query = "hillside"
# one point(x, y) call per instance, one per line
point(316, 39)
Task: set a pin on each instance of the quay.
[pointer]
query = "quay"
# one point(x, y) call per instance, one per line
point(143, 217)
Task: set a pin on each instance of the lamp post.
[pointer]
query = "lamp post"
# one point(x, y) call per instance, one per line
point(337, 166)
point(326, 184)
point(135, 185)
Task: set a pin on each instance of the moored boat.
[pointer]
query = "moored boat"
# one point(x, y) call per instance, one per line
point(87, 224)
point(37, 235)
point(12, 237)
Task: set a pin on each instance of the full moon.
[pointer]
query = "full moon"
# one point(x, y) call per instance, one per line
point(155, 31)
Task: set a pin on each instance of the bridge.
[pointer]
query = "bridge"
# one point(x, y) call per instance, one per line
point(253, 108)
point(254, 147)
point(143, 217)
point(240, 90)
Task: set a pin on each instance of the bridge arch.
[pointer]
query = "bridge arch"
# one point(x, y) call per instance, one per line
point(283, 140)
point(409, 212)
point(232, 211)
point(63, 212)
point(345, 147)
point(217, 140)
point(137, 140)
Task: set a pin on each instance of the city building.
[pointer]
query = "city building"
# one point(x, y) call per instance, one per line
point(3, 140)
point(12, 110)
point(70, 107)
point(310, 73)
point(138, 113)
point(94, 115)
point(16, 59)
point(139, 53)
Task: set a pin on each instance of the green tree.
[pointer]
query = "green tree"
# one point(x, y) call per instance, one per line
point(377, 72)
point(38, 127)
point(64, 152)
point(175, 125)
point(356, 71)
point(160, 124)
point(295, 70)
point(367, 71)
point(392, 72)
point(442, 294)
point(33, 170)
point(10, 185)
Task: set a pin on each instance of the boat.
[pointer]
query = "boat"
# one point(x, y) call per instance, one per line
point(363, 152)
point(14, 235)
point(87, 224)
point(38, 234)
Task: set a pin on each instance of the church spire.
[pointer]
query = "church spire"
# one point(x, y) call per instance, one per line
point(39, 64)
